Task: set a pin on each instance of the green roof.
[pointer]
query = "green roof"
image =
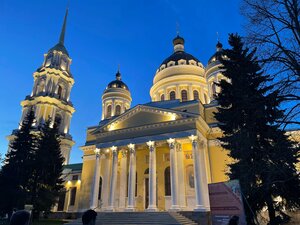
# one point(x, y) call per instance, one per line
point(74, 167)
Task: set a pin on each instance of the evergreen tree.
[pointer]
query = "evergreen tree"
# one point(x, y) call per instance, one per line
point(17, 167)
point(263, 157)
point(46, 183)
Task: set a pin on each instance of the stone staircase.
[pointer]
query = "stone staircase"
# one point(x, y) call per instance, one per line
point(138, 218)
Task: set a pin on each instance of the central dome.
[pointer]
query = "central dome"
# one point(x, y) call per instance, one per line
point(179, 76)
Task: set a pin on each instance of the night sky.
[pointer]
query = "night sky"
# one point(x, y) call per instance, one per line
point(100, 35)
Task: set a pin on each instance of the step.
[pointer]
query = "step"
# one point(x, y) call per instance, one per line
point(134, 218)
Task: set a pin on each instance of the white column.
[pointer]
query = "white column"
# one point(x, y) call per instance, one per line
point(201, 186)
point(131, 179)
point(152, 177)
point(113, 179)
point(181, 180)
point(174, 175)
point(96, 180)
point(123, 180)
point(106, 179)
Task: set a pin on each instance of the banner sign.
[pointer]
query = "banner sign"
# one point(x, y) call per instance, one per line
point(226, 202)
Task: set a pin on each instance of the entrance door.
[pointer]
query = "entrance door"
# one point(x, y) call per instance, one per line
point(146, 192)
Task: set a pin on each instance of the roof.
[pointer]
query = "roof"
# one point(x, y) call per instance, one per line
point(176, 56)
point(117, 84)
point(59, 47)
point(73, 167)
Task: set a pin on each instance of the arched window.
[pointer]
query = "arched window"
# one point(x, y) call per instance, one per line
point(205, 99)
point(59, 91)
point(183, 95)
point(162, 97)
point(108, 111)
point(100, 189)
point(196, 94)
point(41, 86)
point(172, 95)
point(58, 119)
point(118, 110)
point(213, 88)
point(167, 182)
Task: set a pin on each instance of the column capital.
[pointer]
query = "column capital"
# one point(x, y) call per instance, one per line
point(151, 145)
point(193, 138)
point(114, 150)
point(131, 148)
point(97, 152)
point(171, 142)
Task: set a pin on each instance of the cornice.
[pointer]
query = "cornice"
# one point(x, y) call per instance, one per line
point(103, 133)
point(50, 101)
point(55, 72)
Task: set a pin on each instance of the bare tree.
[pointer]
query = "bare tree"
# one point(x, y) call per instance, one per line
point(274, 28)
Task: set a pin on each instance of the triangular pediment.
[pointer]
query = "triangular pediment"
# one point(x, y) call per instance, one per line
point(142, 115)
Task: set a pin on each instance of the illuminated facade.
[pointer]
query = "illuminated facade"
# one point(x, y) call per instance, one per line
point(155, 156)
point(50, 96)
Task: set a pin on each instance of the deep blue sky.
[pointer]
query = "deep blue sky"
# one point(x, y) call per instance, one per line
point(100, 35)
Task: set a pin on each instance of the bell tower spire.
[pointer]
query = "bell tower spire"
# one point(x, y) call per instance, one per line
point(63, 29)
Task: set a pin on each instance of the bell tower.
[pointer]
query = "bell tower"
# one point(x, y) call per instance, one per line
point(50, 96)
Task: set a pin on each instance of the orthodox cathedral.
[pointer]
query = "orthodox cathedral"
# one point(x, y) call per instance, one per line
point(154, 156)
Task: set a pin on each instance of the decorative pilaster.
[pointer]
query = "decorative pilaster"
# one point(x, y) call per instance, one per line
point(113, 180)
point(174, 175)
point(152, 177)
point(131, 178)
point(123, 180)
point(201, 186)
point(96, 180)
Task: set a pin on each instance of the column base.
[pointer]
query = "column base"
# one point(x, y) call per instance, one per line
point(175, 208)
point(110, 209)
point(151, 209)
point(201, 208)
point(130, 209)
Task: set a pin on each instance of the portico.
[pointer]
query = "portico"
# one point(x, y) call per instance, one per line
point(125, 197)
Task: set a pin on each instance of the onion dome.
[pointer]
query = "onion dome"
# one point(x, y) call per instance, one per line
point(118, 83)
point(219, 54)
point(179, 56)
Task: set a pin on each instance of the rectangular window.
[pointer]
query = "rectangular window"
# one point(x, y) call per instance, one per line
point(75, 177)
point(73, 195)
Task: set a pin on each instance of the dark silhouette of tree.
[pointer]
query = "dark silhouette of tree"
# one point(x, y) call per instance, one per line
point(263, 157)
point(274, 27)
point(47, 179)
point(17, 167)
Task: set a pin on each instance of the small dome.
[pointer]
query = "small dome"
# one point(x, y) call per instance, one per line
point(118, 83)
point(219, 54)
point(59, 47)
point(178, 40)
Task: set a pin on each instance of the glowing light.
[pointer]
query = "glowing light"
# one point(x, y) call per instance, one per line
point(107, 150)
point(111, 127)
point(193, 137)
point(131, 146)
point(97, 150)
point(113, 148)
point(69, 182)
point(150, 143)
point(78, 181)
point(173, 116)
point(171, 140)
